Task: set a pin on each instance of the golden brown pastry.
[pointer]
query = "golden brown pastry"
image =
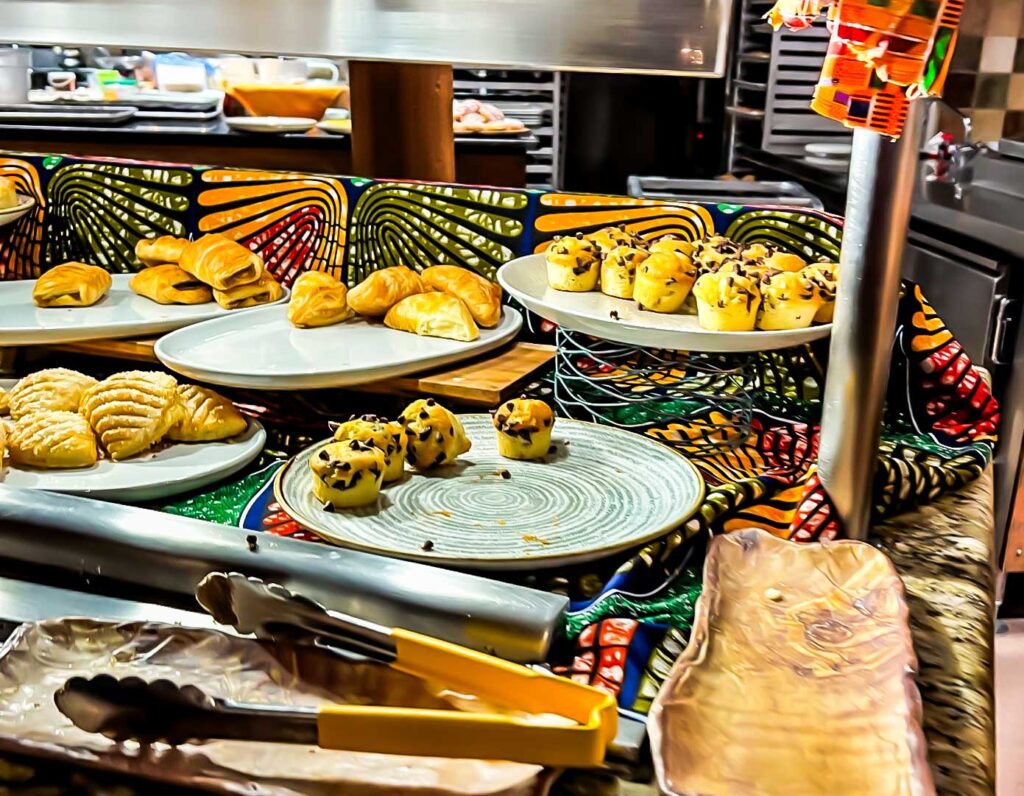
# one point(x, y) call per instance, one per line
point(168, 284)
point(383, 289)
point(752, 268)
point(434, 435)
point(52, 441)
point(612, 237)
point(663, 281)
point(758, 251)
point(221, 263)
point(826, 277)
point(265, 291)
point(524, 428)
point(727, 302)
point(50, 390)
point(710, 253)
point(3, 447)
point(573, 264)
point(71, 285)
point(165, 249)
point(618, 271)
point(481, 296)
point(788, 301)
point(207, 416)
point(132, 411)
point(8, 195)
point(433, 315)
point(318, 299)
point(784, 261)
point(347, 474)
point(389, 436)
point(5, 402)
point(672, 244)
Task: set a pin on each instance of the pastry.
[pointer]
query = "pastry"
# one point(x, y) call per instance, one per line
point(727, 302)
point(671, 244)
point(165, 249)
point(383, 289)
point(524, 428)
point(612, 237)
point(788, 301)
point(663, 281)
point(433, 315)
point(434, 436)
point(206, 416)
point(132, 411)
point(757, 251)
point(3, 448)
point(264, 291)
point(618, 271)
point(572, 264)
point(752, 268)
point(784, 261)
point(8, 196)
point(168, 284)
point(50, 390)
point(389, 436)
point(221, 263)
point(481, 296)
point(53, 440)
point(71, 285)
point(710, 253)
point(825, 276)
point(5, 402)
point(347, 474)
point(318, 299)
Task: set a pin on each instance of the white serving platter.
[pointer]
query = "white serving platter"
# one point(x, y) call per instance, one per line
point(270, 124)
point(11, 214)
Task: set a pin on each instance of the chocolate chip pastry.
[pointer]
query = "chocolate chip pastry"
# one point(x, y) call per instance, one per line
point(347, 474)
point(524, 428)
point(433, 435)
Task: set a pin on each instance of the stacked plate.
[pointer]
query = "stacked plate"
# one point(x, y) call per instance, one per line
point(829, 156)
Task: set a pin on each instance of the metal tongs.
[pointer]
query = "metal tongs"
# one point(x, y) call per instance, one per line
point(131, 708)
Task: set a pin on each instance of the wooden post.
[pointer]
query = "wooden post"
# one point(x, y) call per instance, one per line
point(402, 121)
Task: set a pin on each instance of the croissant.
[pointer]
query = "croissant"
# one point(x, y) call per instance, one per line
point(50, 390)
point(5, 402)
point(221, 263)
point(318, 299)
point(71, 285)
point(53, 440)
point(481, 296)
point(207, 416)
point(168, 284)
point(381, 290)
point(433, 315)
point(265, 291)
point(132, 411)
point(165, 249)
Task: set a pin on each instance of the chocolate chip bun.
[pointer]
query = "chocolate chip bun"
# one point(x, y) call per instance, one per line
point(388, 436)
point(347, 474)
point(524, 428)
point(434, 436)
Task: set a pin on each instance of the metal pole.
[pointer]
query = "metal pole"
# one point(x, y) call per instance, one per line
point(881, 185)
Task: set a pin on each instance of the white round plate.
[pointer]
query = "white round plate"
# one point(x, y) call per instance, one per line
point(11, 214)
point(591, 313)
point(270, 124)
point(335, 126)
point(601, 491)
point(265, 351)
point(120, 313)
point(824, 149)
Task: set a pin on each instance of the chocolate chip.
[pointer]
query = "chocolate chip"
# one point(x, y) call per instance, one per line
point(424, 414)
point(324, 456)
point(547, 422)
point(613, 315)
point(510, 406)
point(431, 402)
point(505, 474)
point(250, 540)
point(424, 435)
point(552, 449)
point(451, 431)
point(345, 467)
point(427, 546)
point(354, 445)
point(440, 458)
point(329, 507)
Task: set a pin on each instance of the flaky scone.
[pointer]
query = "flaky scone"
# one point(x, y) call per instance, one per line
point(53, 441)
point(49, 390)
point(206, 416)
point(433, 434)
point(132, 411)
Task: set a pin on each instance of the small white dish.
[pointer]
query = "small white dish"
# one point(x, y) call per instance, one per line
point(11, 214)
point(270, 124)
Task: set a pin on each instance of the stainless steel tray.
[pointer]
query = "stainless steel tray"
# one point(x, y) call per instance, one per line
point(86, 115)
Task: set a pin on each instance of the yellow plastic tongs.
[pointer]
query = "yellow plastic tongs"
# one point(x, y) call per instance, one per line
point(163, 711)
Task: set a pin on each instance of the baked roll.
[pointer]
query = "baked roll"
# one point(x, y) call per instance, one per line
point(264, 291)
point(789, 300)
point(206, 416)
point(663, 281)
point(434, 436)
point(482, 297)
point(524, 428)
point(618, 271)
point(784, 261)
point(53, 441)
point(573, 264)
point(5, 402)
point(347, 474)
point(389, 436)
point(168, 284)
point(673, 244)
point(826, 277)
point(758, 251)
point(71, 285)
point(318, 299)
point(383, 289)
point(165, 249)
point(132, 411)
point(8, 195)
point(752, 268)
point(49, 390)
point(221, 263)
point(710, 253)
point(727, 302)
point(612, 237)
point(433, 315)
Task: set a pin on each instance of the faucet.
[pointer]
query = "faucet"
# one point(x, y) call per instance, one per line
point(954, 163)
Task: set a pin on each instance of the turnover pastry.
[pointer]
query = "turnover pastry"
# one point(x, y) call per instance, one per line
point(618, 271)
point(573, 264)
point(263, 291)
point(383, 289)
point(8, 195)
point(434, 435)
point(71, 285)
point(207, 416)
point(165, 249)
point(788, 301)
point(389, 436)
point(53, 440)
point(727, 302)
point(347, 474)
point(433, 315)
point(318, 299)
point(710, 253)
point(784, 261)
point(663, 281)
point(221, 263)
point(612, 237)
point(482, 297)
point(132, 411)
point(49, 390)
point(168, 284)
point(524, 428)
point(825, 276)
